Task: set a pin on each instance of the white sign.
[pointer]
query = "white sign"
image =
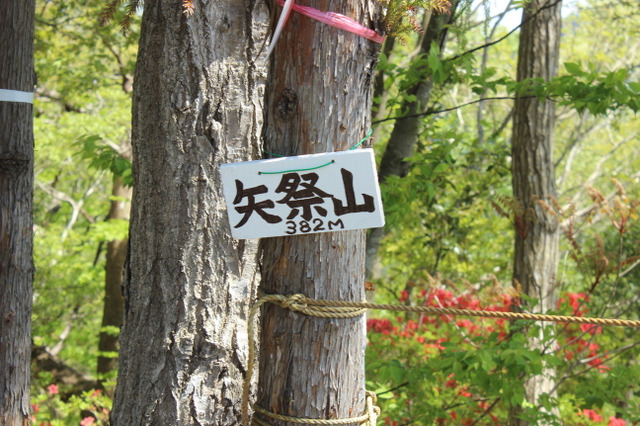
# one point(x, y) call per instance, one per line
point(307, 194)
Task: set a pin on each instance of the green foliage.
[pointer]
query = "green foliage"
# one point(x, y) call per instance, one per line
point(450, 368)
point(51, 408)
point(434, 212)
point(67, 293)
point(430, 370)
point(111, 9)
point(593, 91)
point(84, 78)
point(104, 157)
point(401, 16)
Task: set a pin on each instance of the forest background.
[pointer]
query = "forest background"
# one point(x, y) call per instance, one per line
point(450, 218)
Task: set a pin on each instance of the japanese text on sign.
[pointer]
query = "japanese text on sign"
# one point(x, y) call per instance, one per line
point(302, 195)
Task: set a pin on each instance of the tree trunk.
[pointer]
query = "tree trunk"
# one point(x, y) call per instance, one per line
point(404, 135)
point(113, 310)
point(533, 175)
point(318, 100)
point(196, 105)
point(16, 205)
point(120, 209)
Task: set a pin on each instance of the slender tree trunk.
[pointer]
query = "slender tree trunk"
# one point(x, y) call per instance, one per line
point(196, 105)
point(404, 135)
point(120, 209)
point(318, 100)
point(533, 176)
point(113, 310)
point(16, 210)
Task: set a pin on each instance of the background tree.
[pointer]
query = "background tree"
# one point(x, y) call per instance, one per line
point(16, 209)
point(187, 282)
point(533, 176)
point(113, 312)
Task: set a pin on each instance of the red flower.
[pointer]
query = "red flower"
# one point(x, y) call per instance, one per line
point(412, 325)
point(469, 325)
point(464, 392)
point(591, 329)
point(382, 326)
point(575, 301)
point(53, 389)
point(592, 415)
point(614, 421)
point(507, 302)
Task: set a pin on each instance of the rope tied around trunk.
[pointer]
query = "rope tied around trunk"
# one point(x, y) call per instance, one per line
point(299, 303)
point(369, 417)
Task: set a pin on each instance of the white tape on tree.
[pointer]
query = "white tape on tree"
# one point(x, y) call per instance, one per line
point(7, 95)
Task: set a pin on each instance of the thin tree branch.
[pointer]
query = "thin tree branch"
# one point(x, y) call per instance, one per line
point(438, 111)
point(630, 268)
point(616, 353)
point(491, 43)
point(394, 388)
point(487, 411)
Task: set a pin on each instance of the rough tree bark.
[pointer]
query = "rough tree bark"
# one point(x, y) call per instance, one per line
point(533, 175)
point(16, 201)
point(318, 100)
point(404, 135)
point(196, 105)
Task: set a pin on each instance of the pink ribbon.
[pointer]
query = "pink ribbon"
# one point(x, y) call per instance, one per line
point(336, 20)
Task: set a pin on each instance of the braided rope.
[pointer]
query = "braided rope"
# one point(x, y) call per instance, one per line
point(311, 306)
point(369, 417)
point(344, 309)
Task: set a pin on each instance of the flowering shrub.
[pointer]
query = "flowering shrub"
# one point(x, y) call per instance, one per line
point(453, 370)
point(51, 408)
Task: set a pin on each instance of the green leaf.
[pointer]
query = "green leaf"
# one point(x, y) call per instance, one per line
point(573, 68)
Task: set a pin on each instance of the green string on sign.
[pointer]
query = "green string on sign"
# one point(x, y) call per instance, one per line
point(297, 170)
point(271, 153)
point(362, 141)
point(312, 168)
